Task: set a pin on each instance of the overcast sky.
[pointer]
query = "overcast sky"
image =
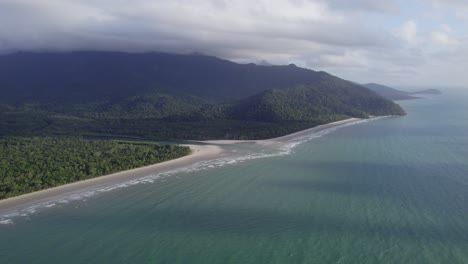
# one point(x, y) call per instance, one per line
point(400, 43)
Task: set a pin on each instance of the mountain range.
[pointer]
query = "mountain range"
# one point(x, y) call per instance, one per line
point(170, 96)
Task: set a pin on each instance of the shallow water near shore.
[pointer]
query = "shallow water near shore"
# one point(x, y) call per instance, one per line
point(393, 190)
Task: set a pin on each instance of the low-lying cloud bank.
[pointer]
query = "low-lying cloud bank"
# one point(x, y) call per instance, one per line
point(362, 40)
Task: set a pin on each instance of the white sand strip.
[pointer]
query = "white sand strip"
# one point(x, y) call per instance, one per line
point(284, 138)
point(199, 153)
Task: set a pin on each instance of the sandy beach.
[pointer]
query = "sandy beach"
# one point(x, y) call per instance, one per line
point(273, 141)
point(209, 150)
point(199, 153)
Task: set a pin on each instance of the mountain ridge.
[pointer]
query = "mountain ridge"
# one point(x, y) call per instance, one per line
point(156, 94)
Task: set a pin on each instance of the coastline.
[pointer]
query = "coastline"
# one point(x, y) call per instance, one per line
point(199, 153)
point(282, 139)
point(210, 150)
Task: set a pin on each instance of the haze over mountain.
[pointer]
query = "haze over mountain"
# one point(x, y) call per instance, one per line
point(395, 94)
point(428, 91)
point(388, 92)
point(386, 41)
point(124, 88)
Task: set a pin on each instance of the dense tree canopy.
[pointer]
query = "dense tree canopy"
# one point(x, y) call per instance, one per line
point(32, 164)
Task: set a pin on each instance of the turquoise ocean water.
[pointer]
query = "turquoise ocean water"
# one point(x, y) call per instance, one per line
point(393, 190)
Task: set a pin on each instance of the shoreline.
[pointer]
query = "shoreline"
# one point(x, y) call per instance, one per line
point(199, 153)
point(282, 139)
point(210, 150)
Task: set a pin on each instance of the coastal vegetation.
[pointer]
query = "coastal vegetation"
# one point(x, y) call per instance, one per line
point(33, 164)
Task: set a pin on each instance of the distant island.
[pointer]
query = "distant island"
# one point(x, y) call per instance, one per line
point(395, 94)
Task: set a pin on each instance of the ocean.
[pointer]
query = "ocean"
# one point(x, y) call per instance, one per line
point(390, 190)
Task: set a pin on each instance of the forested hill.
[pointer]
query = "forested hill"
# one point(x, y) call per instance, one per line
point(92, 75)
point(88, 75)
point(167, 96)
point(312, 103)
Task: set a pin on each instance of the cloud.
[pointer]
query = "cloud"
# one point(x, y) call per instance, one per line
point(458, 7)
point(177, 25)
point(378, 6)
point(408, 32)
point(347, 59)
point(454, 3)
point(276, 30)
point(354, 39)
point(443, 38)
